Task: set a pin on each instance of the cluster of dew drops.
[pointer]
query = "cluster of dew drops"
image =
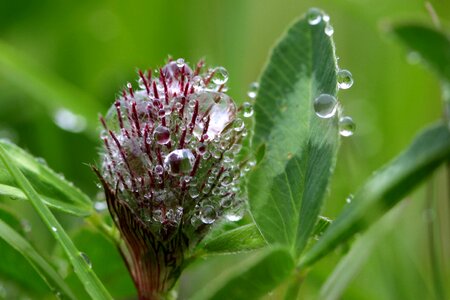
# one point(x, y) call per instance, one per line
point(325, 105)
point(172, 145)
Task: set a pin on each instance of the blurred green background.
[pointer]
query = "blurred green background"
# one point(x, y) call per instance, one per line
point(87, 50)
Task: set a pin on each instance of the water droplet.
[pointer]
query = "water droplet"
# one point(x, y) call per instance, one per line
point(54, 229)
point(42, 161)
point(86, 259)
point(238, 125)
point(179, 161)
point(346, 126)
point(220, 76)
point(157, 215)
point(326, 18)
point(159, 169)
point(413, 58)
point(193, 192)
point(349, 199)
point(345, 79)
point(180, 62)
point(201, 148)
point(314, 16)
point(253, 90)
point(235, 214)
point(208, 214)
point(67, 120)
point(161, 135)
point(325, 106)
point(247, 108)
point(220, 109)
point(100, 206)
point(226, 202)
point(329, 30)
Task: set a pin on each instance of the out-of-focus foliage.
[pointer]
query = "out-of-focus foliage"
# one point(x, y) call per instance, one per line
point(90, 48)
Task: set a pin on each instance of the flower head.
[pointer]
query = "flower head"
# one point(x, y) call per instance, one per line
point(169, 167)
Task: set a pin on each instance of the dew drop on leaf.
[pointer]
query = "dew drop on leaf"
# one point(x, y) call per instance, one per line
point(345, 79)
point(325, 106)
point(346, 126)
point(86, 259)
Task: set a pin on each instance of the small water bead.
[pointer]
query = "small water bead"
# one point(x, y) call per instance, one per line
point(157, 216)
point(54, 229)
point(238, 125)
point(326, 18)
point(247, 109)
point(346, 126)
point(159, 169)
point(235, 214)
point(208, 214)
point(193, 192)
point(345, 79)
point(314, 16)
point(86, 259)
point(197, 83)
point(100, 206)
point(220, 76)
point(180, 62)
point(325, 106)
point(226, 202)
point(349, 199)
point(179, 161)
point(162, 135)
point(329, 30)
point(201, 148)
point(253, 90)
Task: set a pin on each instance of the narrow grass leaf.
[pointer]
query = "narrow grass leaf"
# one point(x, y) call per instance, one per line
point(42, 267)
point(45, 181)
point(349, 266)
point(252, 278)
point(287, 187)
point(83, 270)
point(385, 188)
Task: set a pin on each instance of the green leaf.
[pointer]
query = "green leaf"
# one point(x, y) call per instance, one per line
point(83, 270)
point(287, 187)
point(250, 279)
point(42, 267)
point(355, 259)
point(241, 239)
point(385, 188)
point(432, 45)
point(45, 87)
point(54, 189)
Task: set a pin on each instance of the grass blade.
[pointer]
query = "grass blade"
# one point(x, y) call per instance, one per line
point(385, 188)
point(50, 276)
point(45, 181)
point(84, 271)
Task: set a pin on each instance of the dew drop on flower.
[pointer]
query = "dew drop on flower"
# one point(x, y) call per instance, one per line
point(180, 62)
point(235, 214)
point(329, 30)
point(253, 90)
point(238, 125)
point(247, 109)
point(325, 106)
point(193, 192)
point(162, 135)
point(86, 259)
point(179, 161)
point(346, 126)
point(314, 16)
point(345, 79)
point(208, 214)
point(220, 76)
point(159, 169)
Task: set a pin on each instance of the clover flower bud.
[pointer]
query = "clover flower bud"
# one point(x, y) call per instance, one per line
point(169, 168)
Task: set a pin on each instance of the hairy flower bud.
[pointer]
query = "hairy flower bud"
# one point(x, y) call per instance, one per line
point(169, 168)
